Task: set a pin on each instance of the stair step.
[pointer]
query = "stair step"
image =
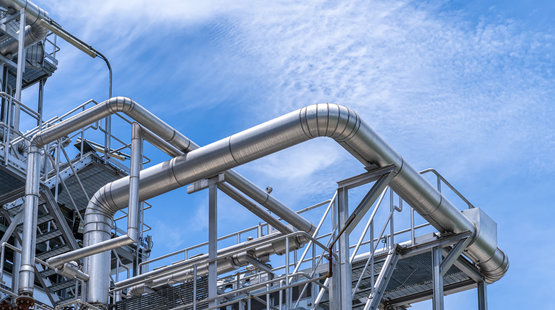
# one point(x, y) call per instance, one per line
point(47, 255)
point(48, 236)
point(61, 286)
point(44, 219)
point(47, 273)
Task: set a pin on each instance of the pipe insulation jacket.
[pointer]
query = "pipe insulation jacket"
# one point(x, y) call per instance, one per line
point(327, 120)
point(35, 30)
point(101, 222)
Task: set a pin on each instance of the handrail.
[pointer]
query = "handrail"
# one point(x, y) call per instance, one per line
point(235, 234)
point(440, 177)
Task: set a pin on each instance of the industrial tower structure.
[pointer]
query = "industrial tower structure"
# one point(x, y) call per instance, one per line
point(73, 195)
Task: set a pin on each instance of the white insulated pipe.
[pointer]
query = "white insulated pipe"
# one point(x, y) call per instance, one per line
point(330, 120)
point(100, 221)
point(34, 32)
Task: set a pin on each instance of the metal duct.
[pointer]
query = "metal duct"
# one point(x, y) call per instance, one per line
point(34, 32)
point(329, 120)
point(102, 221)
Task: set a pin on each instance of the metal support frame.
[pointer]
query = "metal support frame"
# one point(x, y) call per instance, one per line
point(454, 255)
point(482, 296)
point(20, 67)
point(212, 241)
point(437, 279)
point(345, 267)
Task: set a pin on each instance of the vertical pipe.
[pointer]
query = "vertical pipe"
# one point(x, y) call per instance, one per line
point(412, 236)
point(287, 290)
point(437, 279)
point(133, 214)
point(40, 102)
point(27, 271)
point(281, 295)
point(391, 224)
point(20, 66)
point(212, 241)
point(57, 166)
point(267, 297)
point(372, 275)
point(482, 296)
point(16, 261)
point(8, 133)
point(195, 287)
point(3, 89)
point(2, 253)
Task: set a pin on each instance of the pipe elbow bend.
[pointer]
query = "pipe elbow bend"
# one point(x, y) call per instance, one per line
point(120, 104)
point(330, 120)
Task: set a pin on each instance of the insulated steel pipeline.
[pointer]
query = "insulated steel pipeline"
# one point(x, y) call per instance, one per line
point(328, 120)
point(100, 223)
point(34, 32)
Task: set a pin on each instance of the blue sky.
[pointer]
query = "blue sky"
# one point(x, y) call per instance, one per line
point(466, 87)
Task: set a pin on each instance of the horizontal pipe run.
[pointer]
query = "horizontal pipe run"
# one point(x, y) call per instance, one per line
point(96, 113)
point(235, 178)
point(103, 246)
point(264, 246)
point(328, 120)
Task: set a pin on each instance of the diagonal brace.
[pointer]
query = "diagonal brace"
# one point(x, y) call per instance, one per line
point(368, 201)
point(453, 255)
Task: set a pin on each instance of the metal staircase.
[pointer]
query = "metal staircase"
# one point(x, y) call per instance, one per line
point(71, 174)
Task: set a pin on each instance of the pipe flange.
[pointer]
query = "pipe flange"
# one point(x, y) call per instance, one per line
point(24, 302)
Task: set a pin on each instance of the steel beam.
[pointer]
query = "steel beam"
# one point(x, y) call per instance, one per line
point(11, 228)
point(367, 201)
point(453, 255)
point(365, 178)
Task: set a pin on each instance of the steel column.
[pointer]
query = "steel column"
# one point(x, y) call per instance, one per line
point(20, 68)
point(482, 296)
point(344, 275)
point(212, 240)
point(437, 279)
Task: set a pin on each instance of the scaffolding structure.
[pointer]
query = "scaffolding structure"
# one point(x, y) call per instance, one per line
point(73, 196)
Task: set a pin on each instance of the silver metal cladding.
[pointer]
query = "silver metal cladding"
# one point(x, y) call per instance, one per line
point(329, 120)
point(34, 32)
point(299, 126)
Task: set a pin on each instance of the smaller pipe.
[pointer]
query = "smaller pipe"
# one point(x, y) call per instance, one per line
point(135, 168)
point(71, 270)
point(256, 210)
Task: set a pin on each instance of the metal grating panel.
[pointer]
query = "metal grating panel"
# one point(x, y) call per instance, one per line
point(168, 298)
point(93, 177)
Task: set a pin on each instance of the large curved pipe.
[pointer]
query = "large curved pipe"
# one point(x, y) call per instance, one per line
point(89, 116)
point(35, 31)
point(328, 120)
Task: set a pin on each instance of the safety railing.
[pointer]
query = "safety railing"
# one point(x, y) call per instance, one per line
point(264, 287)
point(45, 265)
